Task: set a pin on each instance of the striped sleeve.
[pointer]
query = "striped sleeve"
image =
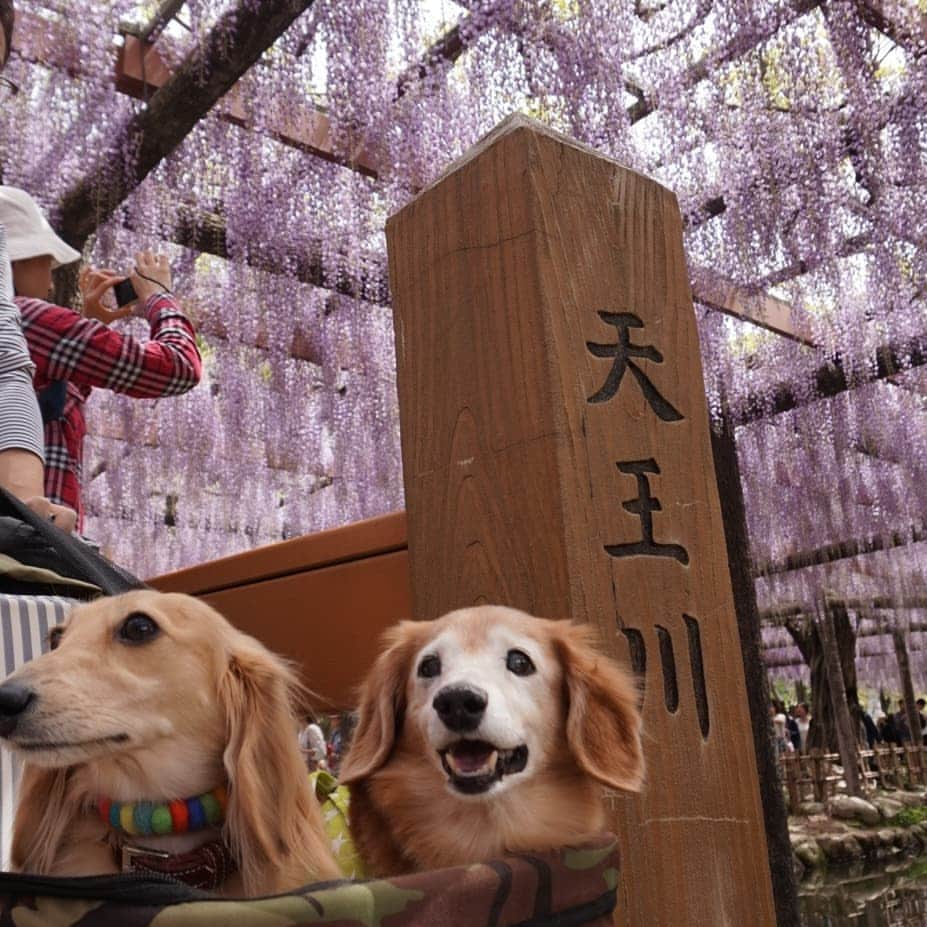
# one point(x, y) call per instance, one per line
point(24, 625)
point(20, 419)
point(66, 346)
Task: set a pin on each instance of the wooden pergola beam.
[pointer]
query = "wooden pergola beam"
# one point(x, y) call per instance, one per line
point(889, 17)
point(140, 71)
point(831, 553)
point(831, 380)
point(866, 606)
point(235, 43)
point(717, 292)
point(160, 20)
point(772, 662)
point(38, 40)
point(446, 50)
point(206, 233)
point(745, 39)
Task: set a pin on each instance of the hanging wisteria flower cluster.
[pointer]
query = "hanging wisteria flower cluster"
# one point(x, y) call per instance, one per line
point(793, 133)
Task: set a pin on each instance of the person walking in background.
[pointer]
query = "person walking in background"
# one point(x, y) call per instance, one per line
point(780, 733)
point(312, 743)
point(902, 730)
point(792, 728)
point(85, 352)
point(870, 732)
point(803, 723)
point(889, 730)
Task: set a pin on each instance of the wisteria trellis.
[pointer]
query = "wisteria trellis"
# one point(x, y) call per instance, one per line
point(793, 132)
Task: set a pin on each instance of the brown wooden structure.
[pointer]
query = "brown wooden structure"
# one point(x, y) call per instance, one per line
point(557, 458)
point(818, 776)
point(323, 600)
point(552, 402)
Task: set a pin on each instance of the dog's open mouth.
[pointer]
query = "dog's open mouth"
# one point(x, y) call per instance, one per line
point(474, 766)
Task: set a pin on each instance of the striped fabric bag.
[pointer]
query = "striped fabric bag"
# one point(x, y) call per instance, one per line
point(24, 625)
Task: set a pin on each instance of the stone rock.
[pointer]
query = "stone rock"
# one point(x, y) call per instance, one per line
point(808, 808)
point(887, 837)
point(868, 841)
point(810, 854)
point(851, 847)
point(911, 799)
point(849, 807)
point(840, 846)
point(799, 870)
point(888, 807)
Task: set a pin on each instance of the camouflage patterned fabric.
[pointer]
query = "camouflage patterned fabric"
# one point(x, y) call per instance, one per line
point(563, 888)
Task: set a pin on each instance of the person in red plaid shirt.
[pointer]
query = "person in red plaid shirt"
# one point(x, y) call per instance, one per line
point(84, 352)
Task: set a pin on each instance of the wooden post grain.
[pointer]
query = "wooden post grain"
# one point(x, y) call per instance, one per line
point(893, 765)
point(881, 774)
point(818, 774)
point(792, 769)
point(557, 458)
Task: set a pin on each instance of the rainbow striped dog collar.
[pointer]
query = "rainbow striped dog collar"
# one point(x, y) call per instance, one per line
point(181, 816)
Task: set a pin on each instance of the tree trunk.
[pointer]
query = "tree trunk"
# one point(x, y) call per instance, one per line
point(823, 732)
point(843, 722)
point(775, 817)
point(907, 685)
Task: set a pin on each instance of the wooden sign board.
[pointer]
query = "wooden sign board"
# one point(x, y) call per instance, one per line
point(557, 458)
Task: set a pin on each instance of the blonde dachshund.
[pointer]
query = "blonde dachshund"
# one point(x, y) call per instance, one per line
point(157, 737)
point(487, 732)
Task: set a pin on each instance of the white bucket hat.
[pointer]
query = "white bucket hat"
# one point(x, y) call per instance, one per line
point(28, 233)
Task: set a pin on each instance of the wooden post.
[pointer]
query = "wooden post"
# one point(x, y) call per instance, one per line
point(819, 774)
point(907, 684)
point(913, 771)
point(791, 767)
point(806, 776)
point(846, 738)
point(557, 458)
point(893, 765)
point(881, 774)
point(737, 540)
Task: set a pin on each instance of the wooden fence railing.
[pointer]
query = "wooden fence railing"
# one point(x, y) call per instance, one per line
point(817, 775)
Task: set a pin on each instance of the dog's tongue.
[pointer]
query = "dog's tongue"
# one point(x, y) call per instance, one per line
point(470, 757)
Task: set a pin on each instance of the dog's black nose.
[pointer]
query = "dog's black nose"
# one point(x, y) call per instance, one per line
point(461, 708)
point(14, 699)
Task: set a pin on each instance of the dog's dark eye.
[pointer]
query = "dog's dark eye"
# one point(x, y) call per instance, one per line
point(138, 628)
point(430, 666)
point(519, 663)
point(54, 637)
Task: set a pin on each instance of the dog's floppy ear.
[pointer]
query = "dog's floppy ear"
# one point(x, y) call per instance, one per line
point(273, 821)
point(603, 721)
point(43, 815)
point(382, 702)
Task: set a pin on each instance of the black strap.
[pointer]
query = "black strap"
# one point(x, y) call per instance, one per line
point(80, 561)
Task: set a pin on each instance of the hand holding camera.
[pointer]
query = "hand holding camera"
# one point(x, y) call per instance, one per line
point(94, 289)
point(152, 276)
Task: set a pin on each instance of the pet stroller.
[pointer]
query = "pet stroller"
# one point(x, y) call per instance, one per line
point(42, 573)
